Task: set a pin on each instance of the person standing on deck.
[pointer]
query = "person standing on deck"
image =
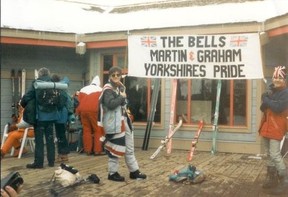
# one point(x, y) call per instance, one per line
point(43, 125)
point(61, 124)
point(88, 111)
point(118, 128)
point(273, 128)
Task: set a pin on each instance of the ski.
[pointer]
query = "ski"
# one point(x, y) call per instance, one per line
point(23, 82)
point(19, 76)
point(151, 114)
point(216, 117)
point(167, 139)
point(83, 79)
point(36, 74)
point(13, 105)
point(195, 140)
point(172, 114)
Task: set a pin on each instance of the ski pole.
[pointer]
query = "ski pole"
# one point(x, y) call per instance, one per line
point(216, 117)
point(13, 91)
point(152, 114)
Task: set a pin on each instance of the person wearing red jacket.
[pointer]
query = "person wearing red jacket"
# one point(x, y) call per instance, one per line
point(273, 128)
point(88, 111)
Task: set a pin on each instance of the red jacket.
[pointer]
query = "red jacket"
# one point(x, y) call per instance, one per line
point(274, 122)
point(89, 97)
point(273, 125)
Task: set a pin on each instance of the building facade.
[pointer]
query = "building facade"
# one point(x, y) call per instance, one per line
point(82, 56)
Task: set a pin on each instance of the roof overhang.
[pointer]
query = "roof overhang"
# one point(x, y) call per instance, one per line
point(274, 27)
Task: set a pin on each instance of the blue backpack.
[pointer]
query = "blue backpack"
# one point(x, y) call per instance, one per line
point(188, 174)
point(50, 99)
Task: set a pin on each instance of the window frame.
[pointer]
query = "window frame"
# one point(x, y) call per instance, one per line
point(229, 127)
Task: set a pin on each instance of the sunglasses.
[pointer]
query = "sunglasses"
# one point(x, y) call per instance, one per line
point(278, 78)
point(116, 75)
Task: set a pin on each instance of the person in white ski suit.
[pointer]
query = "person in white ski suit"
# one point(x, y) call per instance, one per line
point(118, 128)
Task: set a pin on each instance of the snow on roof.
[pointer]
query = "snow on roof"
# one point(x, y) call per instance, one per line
point(72, 16)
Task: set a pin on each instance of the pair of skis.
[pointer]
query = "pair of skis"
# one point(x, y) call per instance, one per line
point(167, 142)
point(168, 139)
point(18, 79)
point(151, 114)
point(153, 110)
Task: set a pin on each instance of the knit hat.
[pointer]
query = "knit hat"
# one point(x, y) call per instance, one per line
point(280, 72)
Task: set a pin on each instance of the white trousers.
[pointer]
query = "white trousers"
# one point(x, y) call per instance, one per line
point(272, 148)
point(130, 159)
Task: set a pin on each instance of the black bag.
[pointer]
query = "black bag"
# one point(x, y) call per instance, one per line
point(50, 99)
point(50, 96)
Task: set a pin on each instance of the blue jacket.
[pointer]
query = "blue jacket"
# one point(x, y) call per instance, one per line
point(68, 110)
point(40, 115)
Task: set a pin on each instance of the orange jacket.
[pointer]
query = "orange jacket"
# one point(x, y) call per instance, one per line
point(273, 125)
point(275, 107)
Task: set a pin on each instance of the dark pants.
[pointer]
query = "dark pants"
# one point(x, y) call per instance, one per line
point(80, 139)
point(44, 129)
point(62, 142)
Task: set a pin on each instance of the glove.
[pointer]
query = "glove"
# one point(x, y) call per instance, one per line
point(68, 168)
point(94, 178)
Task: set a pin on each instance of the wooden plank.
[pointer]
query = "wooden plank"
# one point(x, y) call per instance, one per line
point(226, 175)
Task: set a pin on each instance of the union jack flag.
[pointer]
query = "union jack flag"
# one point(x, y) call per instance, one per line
point(238, 41)
point(148, 41)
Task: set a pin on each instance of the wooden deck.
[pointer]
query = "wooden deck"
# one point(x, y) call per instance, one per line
point(227, 175)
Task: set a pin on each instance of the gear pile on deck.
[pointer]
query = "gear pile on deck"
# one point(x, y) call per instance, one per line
point(66, 177)
point(188, 174)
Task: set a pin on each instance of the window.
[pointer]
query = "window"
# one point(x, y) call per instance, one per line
point(139, 90)
point(196, 100)
point(139, 94)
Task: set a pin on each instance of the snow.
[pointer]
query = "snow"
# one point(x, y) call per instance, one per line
point(70, 17)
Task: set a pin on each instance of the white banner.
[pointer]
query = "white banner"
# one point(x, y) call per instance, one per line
point(229, 56)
